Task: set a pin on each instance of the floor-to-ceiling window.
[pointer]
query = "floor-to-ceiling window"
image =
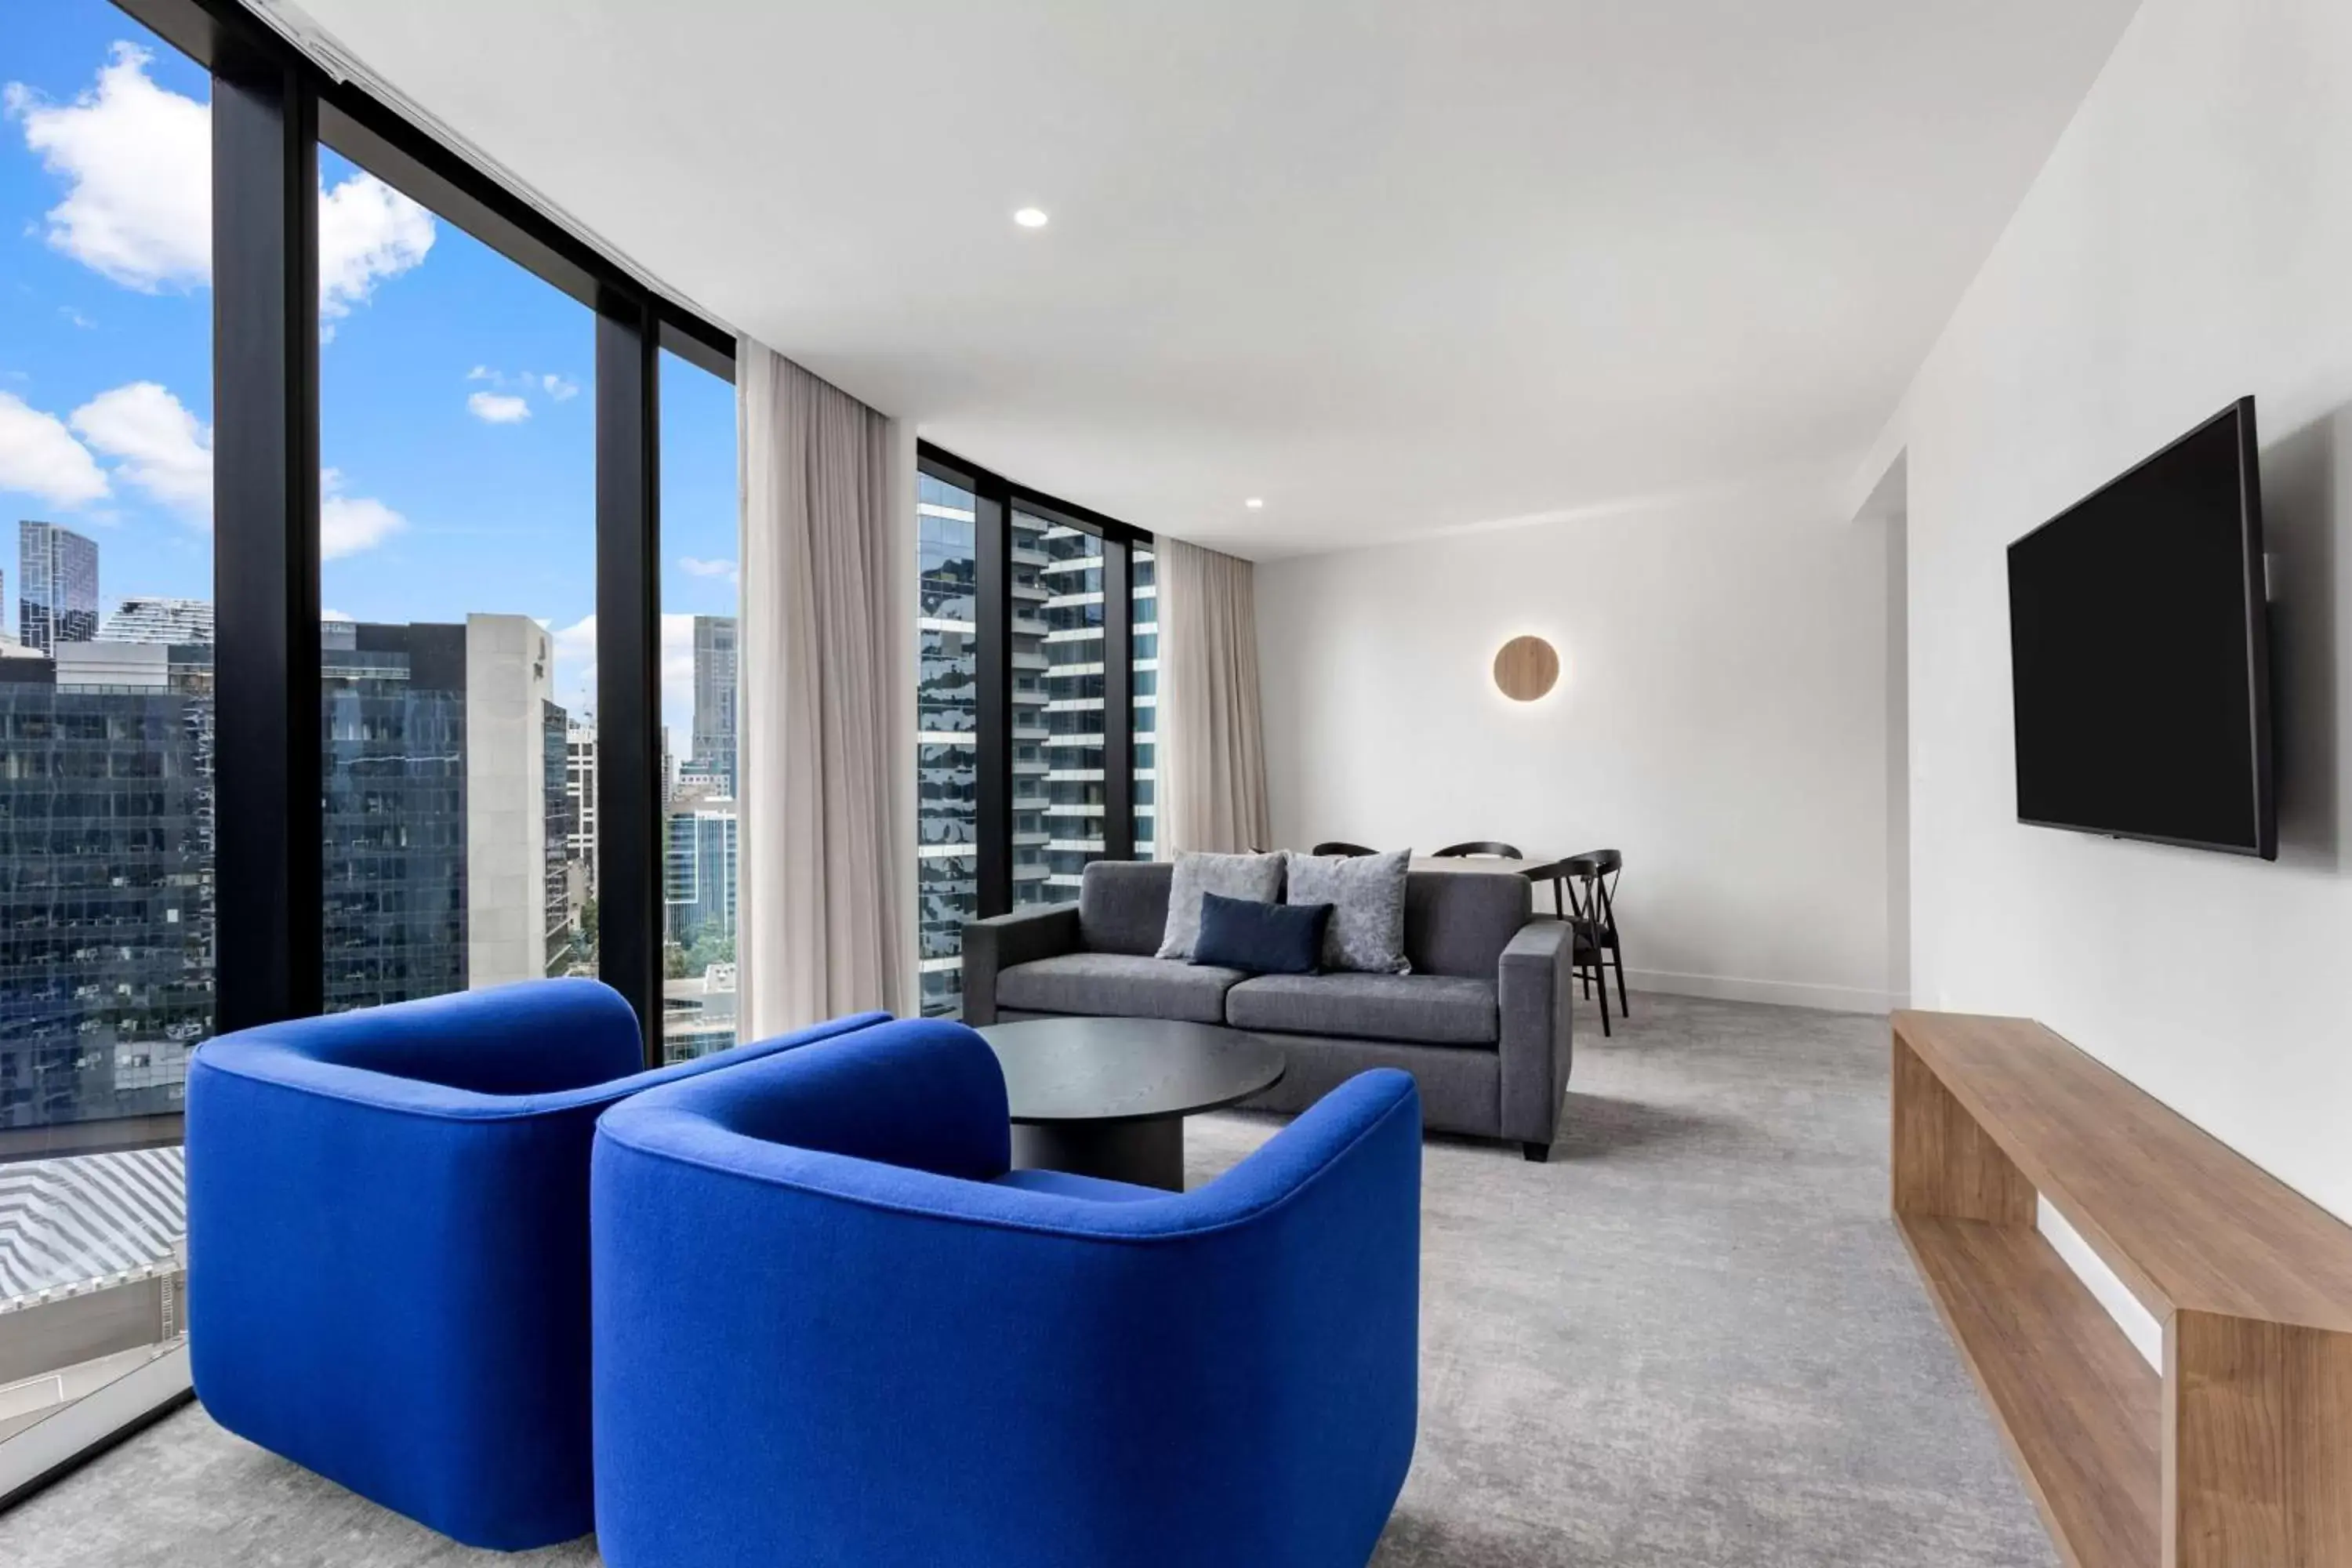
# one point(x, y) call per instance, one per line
point(699, 591)
point(1031, 759)
point(106, 703)
point(373, 577)
point(458, 583)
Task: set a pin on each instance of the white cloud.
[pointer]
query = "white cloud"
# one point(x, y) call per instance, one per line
point(350, 524)
point(333, 615)
point(560, 388)
point(75, 317)
point(481, 372)
point(576, 670)
point(40, 457)
point(694, 567)
point(498, 408)
point(136, 159)
point(155, 443)
point(158, 445)
point(367, 232)
point(137, 162)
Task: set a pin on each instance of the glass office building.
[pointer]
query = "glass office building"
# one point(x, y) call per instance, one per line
point(56, 586)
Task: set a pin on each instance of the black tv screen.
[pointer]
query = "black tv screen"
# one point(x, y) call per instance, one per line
point(2139, 654)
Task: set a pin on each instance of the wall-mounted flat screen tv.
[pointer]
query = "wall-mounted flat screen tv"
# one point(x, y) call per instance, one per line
point(2139, 653)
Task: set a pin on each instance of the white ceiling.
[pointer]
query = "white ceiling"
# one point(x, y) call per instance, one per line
point(1393, 265)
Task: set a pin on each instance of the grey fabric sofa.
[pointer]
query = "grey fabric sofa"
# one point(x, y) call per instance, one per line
point(1482, 1022)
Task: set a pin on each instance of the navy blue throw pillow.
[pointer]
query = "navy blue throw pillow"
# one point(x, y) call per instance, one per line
point(1261, 937)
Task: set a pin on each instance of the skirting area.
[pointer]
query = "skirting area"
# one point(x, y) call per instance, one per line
point(1692, 1339)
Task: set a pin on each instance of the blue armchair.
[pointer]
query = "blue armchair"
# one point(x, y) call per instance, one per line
point(831, 1327)
point(388, 1244)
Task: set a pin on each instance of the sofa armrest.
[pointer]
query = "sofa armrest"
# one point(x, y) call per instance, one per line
point(997, 944)
point(1533, 993)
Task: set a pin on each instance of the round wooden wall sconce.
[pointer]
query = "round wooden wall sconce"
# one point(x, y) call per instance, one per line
point(1526, 668)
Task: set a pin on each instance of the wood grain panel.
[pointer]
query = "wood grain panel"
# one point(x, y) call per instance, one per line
point(2186, 1221)
point(1526, 668)
point(2079, 1408)
point(2257, 1466)
point(1942, 1161)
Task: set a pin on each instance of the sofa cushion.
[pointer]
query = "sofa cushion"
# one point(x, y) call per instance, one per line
point(1261, 939)
point(1123, 906)
point(1426, 1009)
point(1120, 986)
point(1257, 878)
point(1365, 893)
point(1458, 922)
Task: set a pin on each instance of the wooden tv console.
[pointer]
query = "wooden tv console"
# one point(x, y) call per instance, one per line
point(2240, 1454)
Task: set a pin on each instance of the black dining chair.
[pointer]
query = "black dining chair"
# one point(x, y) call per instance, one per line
point(1592, 881)
point(1339, 847)
point(1480, 846)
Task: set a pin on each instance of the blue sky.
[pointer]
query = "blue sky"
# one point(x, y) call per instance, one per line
point(456, 407)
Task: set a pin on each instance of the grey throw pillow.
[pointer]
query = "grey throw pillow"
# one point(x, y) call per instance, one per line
point(1366, 892)
point(1255, 877)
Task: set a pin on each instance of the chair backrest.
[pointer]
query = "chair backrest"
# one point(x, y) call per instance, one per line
point(1123, 905)
point(1340, 847)
point(528, 1037)
point(1592, 885)
point(1480, 846)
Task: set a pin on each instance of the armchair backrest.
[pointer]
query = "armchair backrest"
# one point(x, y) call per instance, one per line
point(535, 1036)
point(918, 1093)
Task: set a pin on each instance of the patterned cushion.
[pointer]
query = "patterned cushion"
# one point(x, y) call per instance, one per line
point(1257, 877)
point(1365, 893)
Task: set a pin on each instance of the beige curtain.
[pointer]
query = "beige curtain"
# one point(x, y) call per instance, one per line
point(826, 893)
point(1211, 752)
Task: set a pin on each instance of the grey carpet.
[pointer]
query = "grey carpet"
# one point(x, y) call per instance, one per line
point(1692, 1339)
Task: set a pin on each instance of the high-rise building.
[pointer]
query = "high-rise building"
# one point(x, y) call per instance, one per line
point(1031, 787)
point(448, 824)
point(106, 881)
point(579, 784)
point(1067, 715)
point(714, 700)
point(58, 586)
point(698, 876)
point(947, 737)
point(396, 890)
point(153, 620)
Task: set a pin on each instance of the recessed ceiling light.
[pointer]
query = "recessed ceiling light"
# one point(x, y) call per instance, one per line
point(1031, 218)
point(1254, 503)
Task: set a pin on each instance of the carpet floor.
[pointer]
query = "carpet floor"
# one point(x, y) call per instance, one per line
point(1692, 1341)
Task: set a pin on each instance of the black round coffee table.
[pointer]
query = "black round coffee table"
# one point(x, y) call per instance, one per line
point(1108, 1096)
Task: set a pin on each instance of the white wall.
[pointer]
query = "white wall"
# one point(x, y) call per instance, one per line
point(1721, 718)
point(2190, 240)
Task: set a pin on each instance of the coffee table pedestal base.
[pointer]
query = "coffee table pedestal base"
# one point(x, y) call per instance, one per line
point(1141, 1154)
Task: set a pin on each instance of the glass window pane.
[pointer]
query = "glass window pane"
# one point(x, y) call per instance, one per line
point(106, 697)
point(458, 586)
point(699, 691)
point(1057, 717)
point(947, 724)
point(1146, 688)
